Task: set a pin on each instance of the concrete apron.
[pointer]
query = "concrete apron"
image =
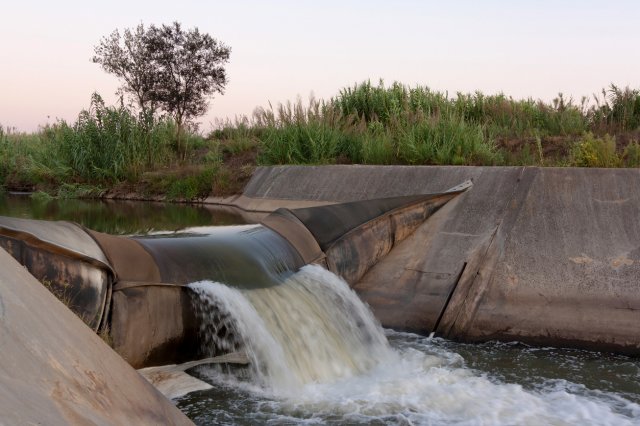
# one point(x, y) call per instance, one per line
point(546, 256)
point(56, 371)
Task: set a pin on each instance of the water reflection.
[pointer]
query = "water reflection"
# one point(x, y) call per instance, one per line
point(119, 217)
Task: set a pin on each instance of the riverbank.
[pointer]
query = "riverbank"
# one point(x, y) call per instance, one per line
point(110, 152)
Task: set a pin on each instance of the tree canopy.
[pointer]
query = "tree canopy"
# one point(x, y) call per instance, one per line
point(167, 68)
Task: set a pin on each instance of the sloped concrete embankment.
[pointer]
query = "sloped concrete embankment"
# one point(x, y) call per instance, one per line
point(56, 371)
point(541, 255)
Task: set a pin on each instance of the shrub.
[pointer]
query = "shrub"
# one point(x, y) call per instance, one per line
point(592, 151)
point(631, 155)
point(193, 186)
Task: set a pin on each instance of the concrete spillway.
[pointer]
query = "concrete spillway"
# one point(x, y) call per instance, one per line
point(542, 255)
point(54, 370)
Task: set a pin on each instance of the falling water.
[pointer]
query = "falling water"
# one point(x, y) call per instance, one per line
point(312, 328)
point(318, 356)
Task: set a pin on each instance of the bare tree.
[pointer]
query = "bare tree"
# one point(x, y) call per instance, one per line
point(129, 58)
point(167, 68)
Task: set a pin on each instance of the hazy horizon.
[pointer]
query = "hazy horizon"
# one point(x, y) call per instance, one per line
point(287, 49)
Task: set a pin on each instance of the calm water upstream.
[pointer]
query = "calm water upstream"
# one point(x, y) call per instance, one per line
point(318, 357)
point(119, 217)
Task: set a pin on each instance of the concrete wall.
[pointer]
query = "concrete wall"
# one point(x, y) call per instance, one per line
point(564, 267)
point(322, 184)
point(54, 370)
point(541, 255)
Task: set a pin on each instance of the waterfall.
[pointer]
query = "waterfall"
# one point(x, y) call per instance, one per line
point(311, 329)
point(317, 356)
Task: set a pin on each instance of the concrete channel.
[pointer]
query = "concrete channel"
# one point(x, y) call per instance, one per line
point(546, 256)
point(56, 371)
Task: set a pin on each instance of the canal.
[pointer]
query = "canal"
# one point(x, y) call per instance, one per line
point(400, 378)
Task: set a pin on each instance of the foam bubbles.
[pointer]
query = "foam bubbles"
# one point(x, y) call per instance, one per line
point(325, 359)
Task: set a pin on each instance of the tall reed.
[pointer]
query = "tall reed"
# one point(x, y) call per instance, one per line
point(374, 125)
point(111, 143)
point(616, 110)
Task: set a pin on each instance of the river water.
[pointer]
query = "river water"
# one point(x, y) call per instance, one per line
point(119, 217)
point(319, 357)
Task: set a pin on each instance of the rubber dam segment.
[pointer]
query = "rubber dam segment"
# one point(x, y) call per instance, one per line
point(136, 288)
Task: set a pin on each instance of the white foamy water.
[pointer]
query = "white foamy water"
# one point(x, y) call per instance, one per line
point(312, 328)
point(318, 356)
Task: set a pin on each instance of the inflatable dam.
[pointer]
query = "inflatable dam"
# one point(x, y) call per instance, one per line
point(136, 289)
point(546, 256)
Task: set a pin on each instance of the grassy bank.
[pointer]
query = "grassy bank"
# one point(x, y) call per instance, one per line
point(112, 150)
point(402, 125)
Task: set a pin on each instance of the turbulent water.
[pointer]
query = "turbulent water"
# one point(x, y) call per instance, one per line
point(318, 356)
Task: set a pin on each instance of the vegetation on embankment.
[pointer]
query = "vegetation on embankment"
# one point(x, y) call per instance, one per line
point(112, 150)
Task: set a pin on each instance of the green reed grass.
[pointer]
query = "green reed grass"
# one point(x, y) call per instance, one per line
point(616, 110)
point(105, 145)
point(365, 123)
point(374, 125)
point(398, 124)
point(111, 144)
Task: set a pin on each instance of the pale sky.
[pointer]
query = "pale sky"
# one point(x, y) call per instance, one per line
point(285, 49)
